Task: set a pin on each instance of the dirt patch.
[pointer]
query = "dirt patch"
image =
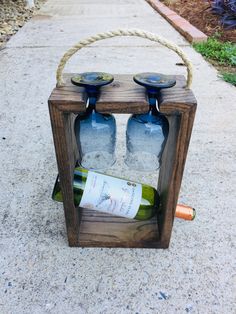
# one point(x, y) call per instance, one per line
point(198, 13)
point(13, 15)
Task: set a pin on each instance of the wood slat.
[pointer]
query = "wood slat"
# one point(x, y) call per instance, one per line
point(123, 95)
point(62, 128)
point(103, 230)
point(172, 168)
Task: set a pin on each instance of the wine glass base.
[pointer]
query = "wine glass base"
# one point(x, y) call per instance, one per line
point(142, 161)
point(97, 160)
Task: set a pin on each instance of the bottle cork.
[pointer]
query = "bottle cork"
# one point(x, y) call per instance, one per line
point(185, 212)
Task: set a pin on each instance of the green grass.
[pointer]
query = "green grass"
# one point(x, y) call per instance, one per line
point(224, 53)
point(221, 55)
point(229, 77)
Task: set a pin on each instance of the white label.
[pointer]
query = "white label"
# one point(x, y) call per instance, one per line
point(111, 195)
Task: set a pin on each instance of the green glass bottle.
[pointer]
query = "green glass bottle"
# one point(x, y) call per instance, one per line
point(112, 195)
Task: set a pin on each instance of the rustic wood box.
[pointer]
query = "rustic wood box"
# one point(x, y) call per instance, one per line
point(88, 228)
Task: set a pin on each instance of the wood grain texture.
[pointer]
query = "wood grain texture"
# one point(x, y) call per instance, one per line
point(177, 99)
point(121, 96)
point(88, 228)
point(103, 230)
point(180, 111)
point(63, 141)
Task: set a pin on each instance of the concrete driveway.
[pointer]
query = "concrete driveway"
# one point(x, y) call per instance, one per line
point(39, 272)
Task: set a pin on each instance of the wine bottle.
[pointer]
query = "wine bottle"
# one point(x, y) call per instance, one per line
point(112, 195)
point(117, 196)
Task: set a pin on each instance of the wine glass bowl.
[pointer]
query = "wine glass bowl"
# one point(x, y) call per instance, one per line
point(146, 134)
point(95, 132)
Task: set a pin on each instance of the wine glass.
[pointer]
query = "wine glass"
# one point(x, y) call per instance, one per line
point(95, 132)
point(146, 134)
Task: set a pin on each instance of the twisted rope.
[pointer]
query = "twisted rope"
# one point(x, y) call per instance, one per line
point(124, 32)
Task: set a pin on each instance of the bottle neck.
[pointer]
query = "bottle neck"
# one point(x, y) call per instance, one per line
point(80, 177)
point(80, 172)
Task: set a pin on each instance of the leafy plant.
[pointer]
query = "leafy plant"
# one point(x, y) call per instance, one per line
point(229, 77)
point(227, 10)
point(224, 53)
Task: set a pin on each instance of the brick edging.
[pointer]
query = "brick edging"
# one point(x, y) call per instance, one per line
point(190, 32)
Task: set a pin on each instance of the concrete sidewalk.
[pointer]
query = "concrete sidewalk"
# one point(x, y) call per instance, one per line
point(39, 272)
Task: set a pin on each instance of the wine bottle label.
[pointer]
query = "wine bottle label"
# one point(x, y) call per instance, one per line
point(111, 195)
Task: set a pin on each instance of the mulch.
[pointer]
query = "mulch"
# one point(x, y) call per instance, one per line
point(198, 13)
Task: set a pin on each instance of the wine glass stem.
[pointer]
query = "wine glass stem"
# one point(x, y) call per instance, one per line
point(153, 103)
point(92, 99)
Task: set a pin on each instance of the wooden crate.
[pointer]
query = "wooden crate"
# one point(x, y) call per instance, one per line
point(88, 228)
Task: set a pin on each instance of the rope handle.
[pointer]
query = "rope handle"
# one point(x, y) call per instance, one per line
point(124, 32)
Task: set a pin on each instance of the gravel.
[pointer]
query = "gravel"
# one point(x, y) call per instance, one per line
point(13, 15)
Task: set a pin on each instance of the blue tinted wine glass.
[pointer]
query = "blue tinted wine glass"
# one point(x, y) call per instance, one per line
point(95, 132)
point(146, 134)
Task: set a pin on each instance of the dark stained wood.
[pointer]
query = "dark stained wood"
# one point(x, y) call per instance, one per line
point(177, 99)
point(102, 230)
point(122, 96)
point(181, 118)
point(66, 158)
